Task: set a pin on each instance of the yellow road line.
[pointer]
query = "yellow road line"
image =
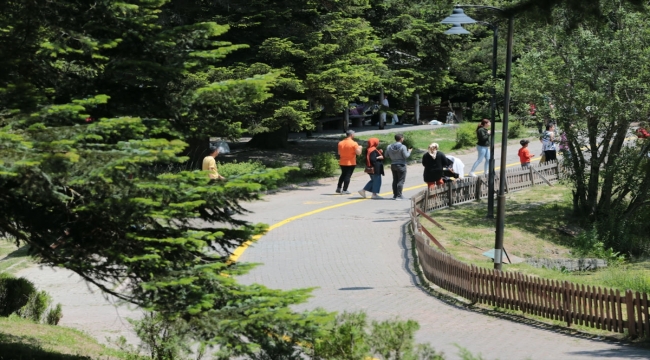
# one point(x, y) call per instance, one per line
point(240, 250)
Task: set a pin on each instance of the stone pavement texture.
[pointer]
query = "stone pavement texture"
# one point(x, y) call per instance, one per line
point(358, 258)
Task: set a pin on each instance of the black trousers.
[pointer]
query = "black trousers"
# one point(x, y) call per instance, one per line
point(399, 177)
point(346, 173)
point(550, 155)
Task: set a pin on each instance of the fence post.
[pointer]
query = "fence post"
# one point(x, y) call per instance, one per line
point(477, 191)
point(567, 302)
point(629, 305)
point(450, 193)
point(532, 179)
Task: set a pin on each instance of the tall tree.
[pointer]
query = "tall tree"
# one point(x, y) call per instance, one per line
point(84, 175)
point(597, 79)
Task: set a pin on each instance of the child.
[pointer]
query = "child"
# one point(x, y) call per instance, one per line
point(524, 154)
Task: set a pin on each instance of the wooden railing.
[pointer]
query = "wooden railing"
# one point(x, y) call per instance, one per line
point(590, 306)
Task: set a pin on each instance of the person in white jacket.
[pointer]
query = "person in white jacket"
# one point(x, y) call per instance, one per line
point(458, 167)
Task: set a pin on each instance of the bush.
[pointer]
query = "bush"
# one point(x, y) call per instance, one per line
point(515, 130)
point(325, 164)
point(14, 293)
point(36, 305)
point(465, 136)
point(409, 143)
point(54, 315)
point(240, 168)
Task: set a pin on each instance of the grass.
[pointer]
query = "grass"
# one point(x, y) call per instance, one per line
point(13, 259)
point(445, 136)
point(532, 217)
point(23, 339)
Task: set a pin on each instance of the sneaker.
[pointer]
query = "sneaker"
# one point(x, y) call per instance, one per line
point(338, 190)
point(398, 198)
point(345, 192)
point(376, 197)
point(472, 174)
point(362, 193)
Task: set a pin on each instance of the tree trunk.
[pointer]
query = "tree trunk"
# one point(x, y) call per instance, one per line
point(278, 139)
point(198, 148)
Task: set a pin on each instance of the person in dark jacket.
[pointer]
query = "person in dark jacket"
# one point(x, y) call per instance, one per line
point(374, 160)
point(482, 146)
point(434, 162)
point(398, 154)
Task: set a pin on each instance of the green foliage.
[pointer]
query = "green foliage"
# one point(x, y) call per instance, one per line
point(15, 293)
point(589, 243)
point(349, 336)
point(597, 93)
point(465, 135)
point(395, 339)
point(516, 130)
point(90, 124)
point(54, 315)
point(324, 164)
point(35, 307)
point(621, 277)
point(234, 169)
point(346, 339)
point(161, 338)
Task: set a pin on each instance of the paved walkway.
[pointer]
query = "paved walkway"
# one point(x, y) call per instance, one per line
point(357, 254)
point(358, 257)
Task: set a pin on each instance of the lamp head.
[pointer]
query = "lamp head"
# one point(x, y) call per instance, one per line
point(457, 29)
point(458, 17)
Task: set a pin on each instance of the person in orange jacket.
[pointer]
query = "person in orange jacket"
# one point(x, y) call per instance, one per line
point(524, 155)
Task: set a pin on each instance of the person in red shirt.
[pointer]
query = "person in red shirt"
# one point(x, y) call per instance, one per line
point(524, 155)
point(641, 132)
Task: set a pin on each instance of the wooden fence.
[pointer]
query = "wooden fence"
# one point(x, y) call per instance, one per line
point(591, 306)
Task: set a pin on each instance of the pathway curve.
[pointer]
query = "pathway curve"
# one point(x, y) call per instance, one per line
point(358, 257)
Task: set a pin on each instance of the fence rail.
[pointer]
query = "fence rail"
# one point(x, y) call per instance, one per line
point(590, 306)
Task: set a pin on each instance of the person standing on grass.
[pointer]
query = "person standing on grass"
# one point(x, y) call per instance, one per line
point(482, 146)
point(548, 143)
point(434, 162)
point(374, 161)
point(398, 153)
point(348, 151)
point(210, 164)
point(524, 154)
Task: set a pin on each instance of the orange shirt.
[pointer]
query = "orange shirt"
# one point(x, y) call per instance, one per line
point(347, 151)
point(524, 155)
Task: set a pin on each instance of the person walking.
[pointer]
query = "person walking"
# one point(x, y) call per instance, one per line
point(482, 146)
point(348, 151)
point(382, 120)
point(434, 162)
point(398, 153)
point(548, 143)
point(210, 164)
point(375, 164)
point(524, 154)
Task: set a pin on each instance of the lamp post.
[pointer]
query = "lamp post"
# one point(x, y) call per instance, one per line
point(457, 19)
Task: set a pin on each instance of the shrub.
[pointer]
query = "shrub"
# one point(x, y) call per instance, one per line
point(235, 168)
point(35, 307)
point(515, 130)
point(465, 136)
point(54, 315)
point(14, 293)
point(409, 143)
point(325, 164)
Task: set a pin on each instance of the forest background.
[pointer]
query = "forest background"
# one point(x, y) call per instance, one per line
point(97, 97)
